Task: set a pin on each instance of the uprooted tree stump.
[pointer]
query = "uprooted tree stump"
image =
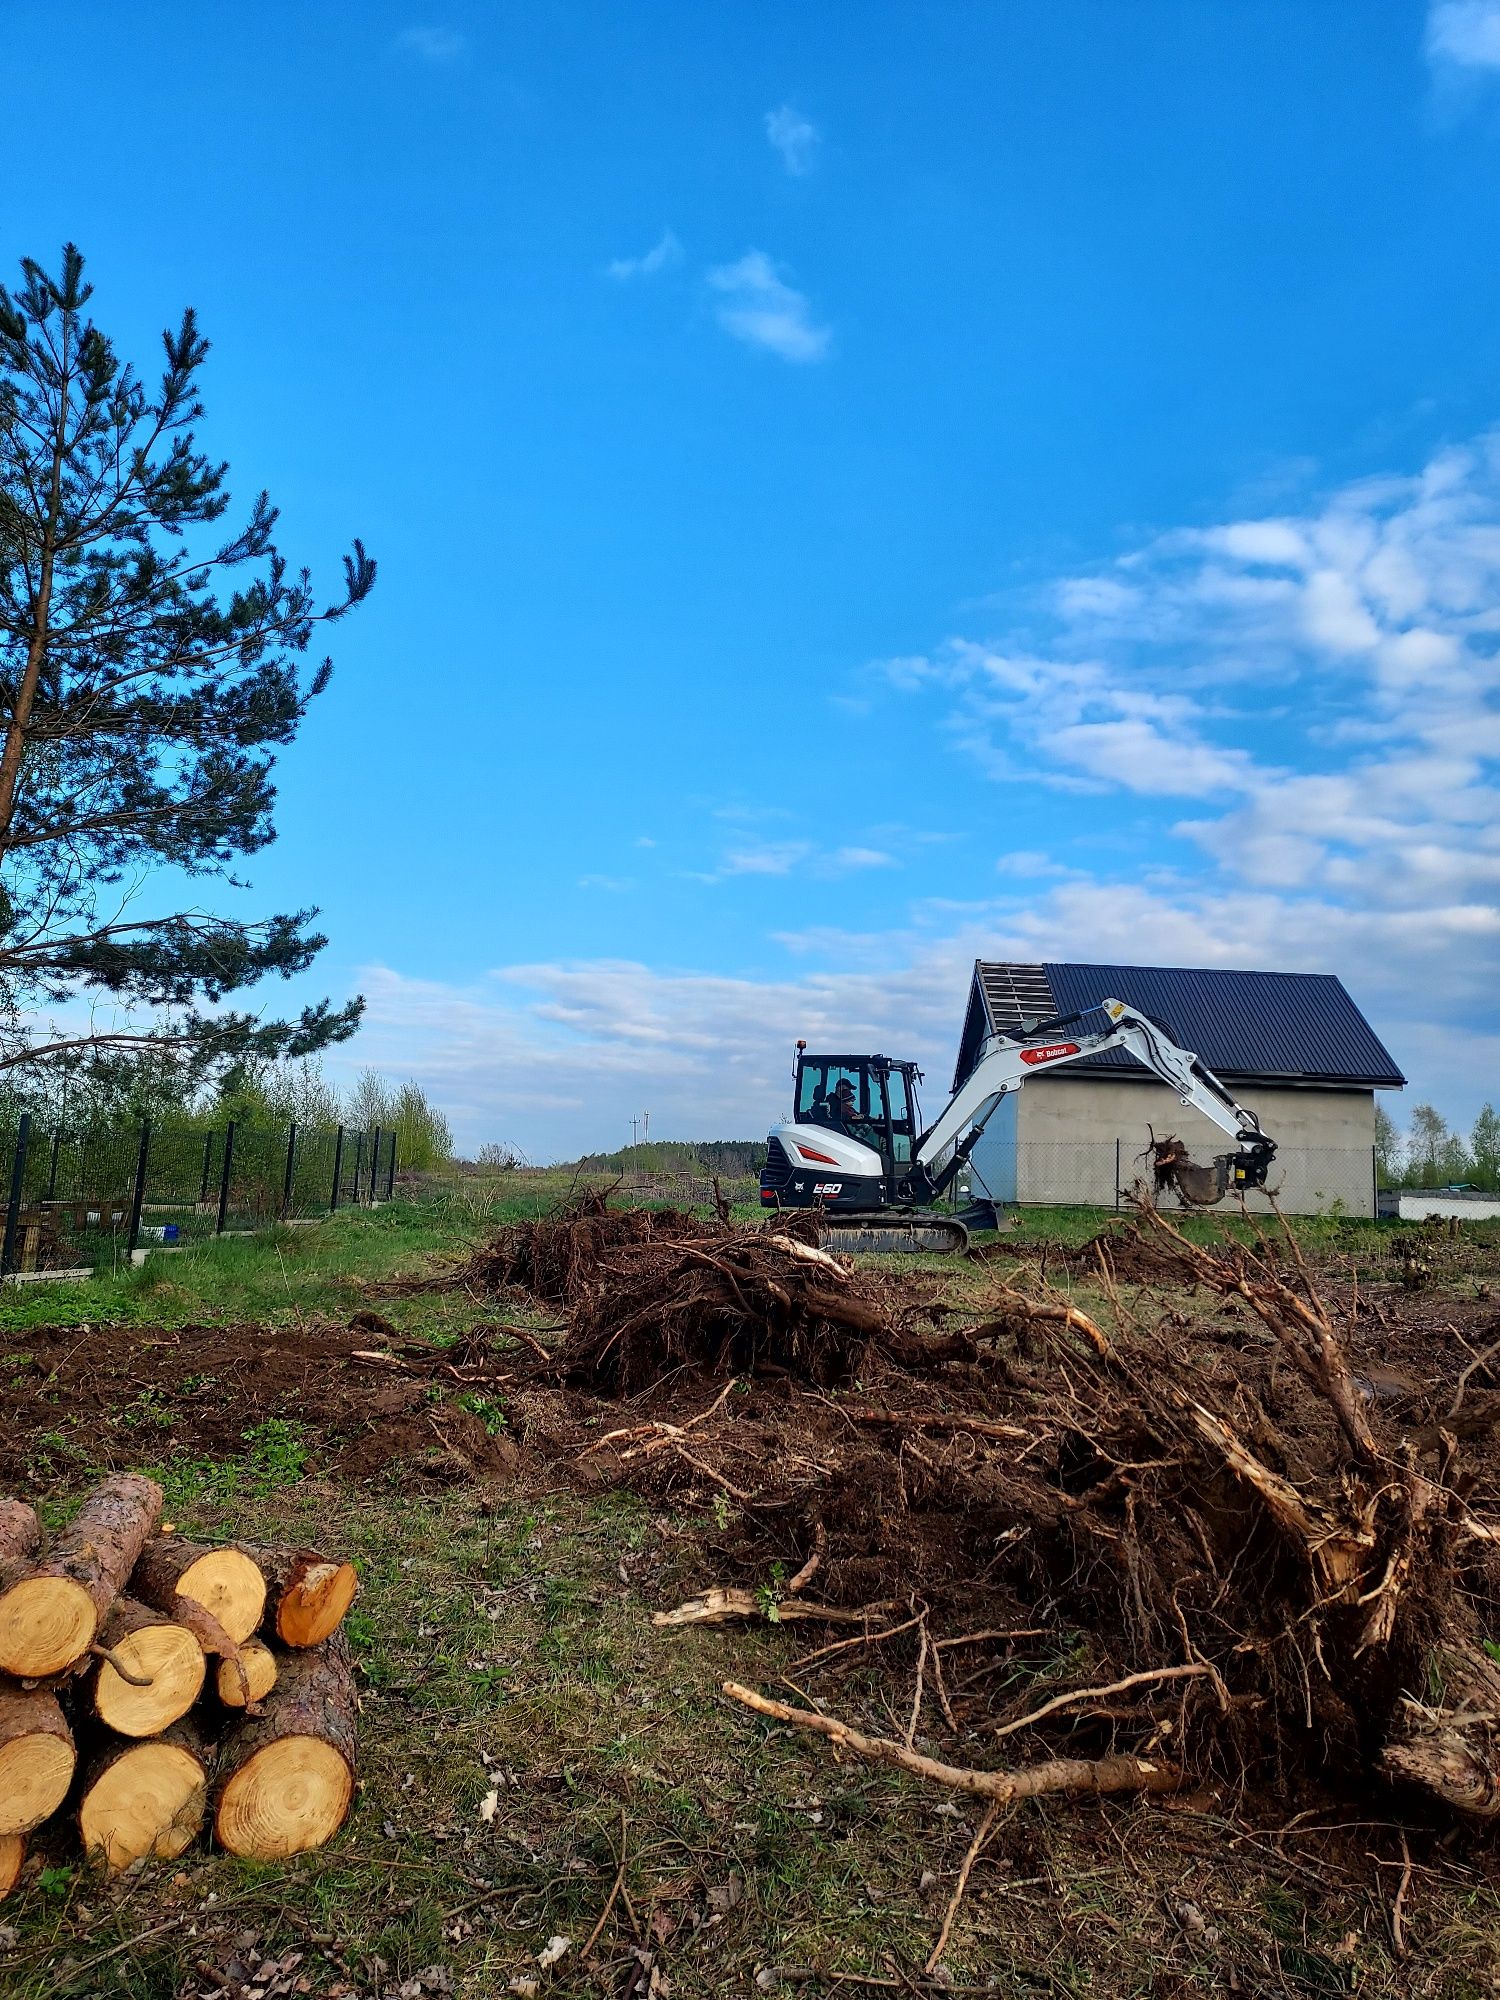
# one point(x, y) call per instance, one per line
point(1272, 1579)
point(648, 1291)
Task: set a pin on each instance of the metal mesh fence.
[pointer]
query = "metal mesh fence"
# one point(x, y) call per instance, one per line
point(1097, 1174)
point(91, 1198)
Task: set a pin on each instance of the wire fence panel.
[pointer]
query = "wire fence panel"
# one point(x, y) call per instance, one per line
point(1099, 1174)
point(85, 1199)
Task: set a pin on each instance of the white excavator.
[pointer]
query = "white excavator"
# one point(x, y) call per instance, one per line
point(855, 1149)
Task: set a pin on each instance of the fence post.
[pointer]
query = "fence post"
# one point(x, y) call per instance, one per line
point(1117, 1174)
point(138, 1198)
point(374, 1166)
point(338, 1169)
point(390, 1179)
point(52, 1168)
point(224, 1173)
point(291, 1161)
point(208, 1160)
point(1375, 1180)
point(17, 1182)
point(359, 1156)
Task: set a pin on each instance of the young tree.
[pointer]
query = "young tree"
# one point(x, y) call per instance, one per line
point(1484, 1143)
point(1387, 1148)
point(150, 664)
point(1435, 1155)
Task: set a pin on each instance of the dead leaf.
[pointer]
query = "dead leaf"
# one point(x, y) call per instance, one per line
point(487, 1806)
point(554, 1950)
point(726, 1896)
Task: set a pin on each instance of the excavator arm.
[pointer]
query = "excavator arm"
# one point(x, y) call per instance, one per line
point(1009, 1060)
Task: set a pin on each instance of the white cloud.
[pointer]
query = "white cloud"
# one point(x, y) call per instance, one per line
point(794, 137)
point(664, 253)
point(862, 857)
point(768, 858)
point(759, 307)
point(433, 45)
point(1464, 34)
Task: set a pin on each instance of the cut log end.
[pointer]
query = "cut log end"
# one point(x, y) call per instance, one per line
point(171, 1660)
point(46, 1623)
point(12, 1854)
point(148, 1800)
point(258, 1663)
point(230, 1588)
point(292, 1795)
point(315, 1604)
point(36, 1759)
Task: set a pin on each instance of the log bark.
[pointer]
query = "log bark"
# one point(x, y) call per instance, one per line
point(151, 1647)
point(36, 1757)
point(224, 1582)
point(287, 1777)
point(145, 1798)
point(247, 1678)
point(49, 1613)
point(306, 1594)
point(20, 1538)
point(12, 1854)
point(1056, 1774)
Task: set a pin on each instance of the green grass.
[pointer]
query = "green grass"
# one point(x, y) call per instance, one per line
point(519, 1708)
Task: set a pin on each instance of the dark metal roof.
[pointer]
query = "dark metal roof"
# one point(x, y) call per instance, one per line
point(1254, 1027)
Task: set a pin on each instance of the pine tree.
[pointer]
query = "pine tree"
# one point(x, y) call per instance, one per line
point(150, 664)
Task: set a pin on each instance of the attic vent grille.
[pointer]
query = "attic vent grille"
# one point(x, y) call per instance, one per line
point(1016, 993)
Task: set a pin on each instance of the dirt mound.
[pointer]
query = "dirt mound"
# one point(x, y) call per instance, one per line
point(313, 1397)
point(651, 1291)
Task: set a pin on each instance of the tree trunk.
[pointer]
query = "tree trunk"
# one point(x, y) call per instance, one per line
point(145, 1798)
point(247, 1678)
point(12, 1854)
point(288, 1777)
point(152, 1648)
point(306, 1594)
point(51, 1611)
point(20, 1538)
point(36, 1757)
point(226, 1582)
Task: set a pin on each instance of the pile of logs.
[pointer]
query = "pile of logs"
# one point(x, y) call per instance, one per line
point(108, 1705)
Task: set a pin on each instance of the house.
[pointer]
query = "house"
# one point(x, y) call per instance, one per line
point(1292, 1046)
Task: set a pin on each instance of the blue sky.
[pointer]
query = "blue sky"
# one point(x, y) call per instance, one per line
point(855, 489)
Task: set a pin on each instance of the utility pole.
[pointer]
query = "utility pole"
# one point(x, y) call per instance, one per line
point(647, 1116)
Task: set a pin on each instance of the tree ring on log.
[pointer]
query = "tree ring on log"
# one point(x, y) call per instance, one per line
point(258, 1664)
point(170, 1658)
point(230, 1588)
point(150, 1800)
point(289, 1796)
point(12, 1854)
point(35, 1772)
point(46, 1623)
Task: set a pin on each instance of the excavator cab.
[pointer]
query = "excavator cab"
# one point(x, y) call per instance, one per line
point(868, 1098)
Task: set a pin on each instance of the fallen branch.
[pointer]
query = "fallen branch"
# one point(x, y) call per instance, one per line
point(1060, 1313)
point(935, 1420)
point(1057, 1774)
point(1098, 1693)
point(722, 1607)
point(976, 1845)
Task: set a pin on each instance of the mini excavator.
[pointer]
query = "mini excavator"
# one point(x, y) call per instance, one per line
point(855, 1149)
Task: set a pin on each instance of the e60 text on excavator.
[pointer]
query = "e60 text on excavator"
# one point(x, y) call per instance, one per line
point(855, 1147)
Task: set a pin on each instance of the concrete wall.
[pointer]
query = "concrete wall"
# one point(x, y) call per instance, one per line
point(1066, 1129)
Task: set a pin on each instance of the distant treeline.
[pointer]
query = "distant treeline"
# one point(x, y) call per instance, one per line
point(734, 1159)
